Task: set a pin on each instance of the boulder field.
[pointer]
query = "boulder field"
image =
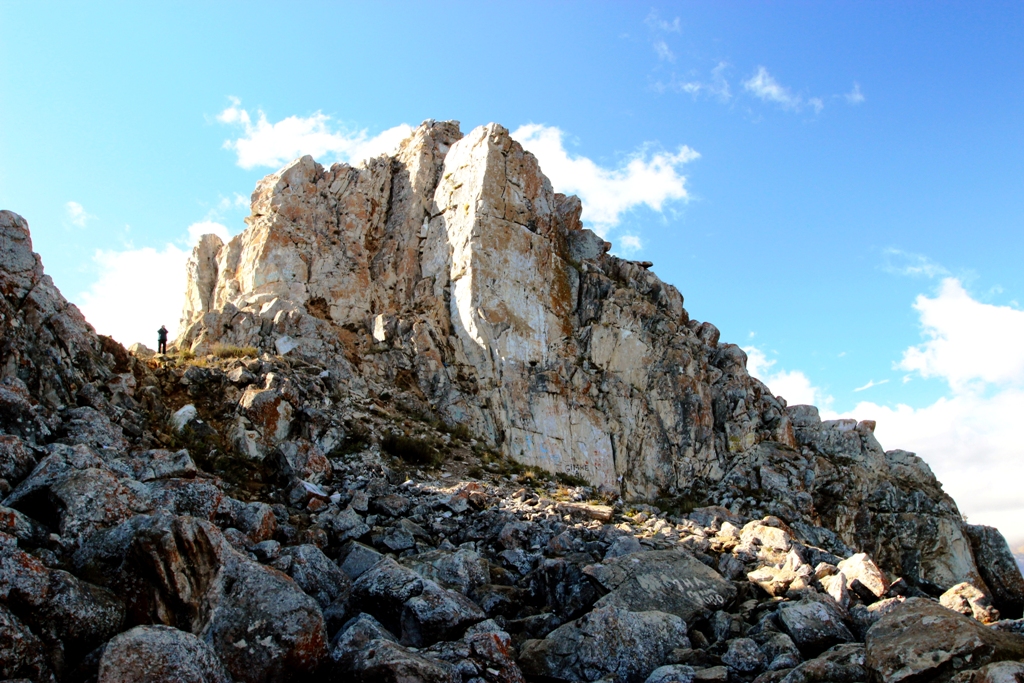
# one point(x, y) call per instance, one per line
point(419, 425)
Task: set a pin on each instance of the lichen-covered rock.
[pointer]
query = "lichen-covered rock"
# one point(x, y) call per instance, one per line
point(159, 654)
point(610, 642)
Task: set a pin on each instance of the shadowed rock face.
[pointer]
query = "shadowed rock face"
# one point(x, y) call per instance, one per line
point(343, 505)
point(451, 272)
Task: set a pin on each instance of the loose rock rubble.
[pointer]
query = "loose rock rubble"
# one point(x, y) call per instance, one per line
point(420, 426)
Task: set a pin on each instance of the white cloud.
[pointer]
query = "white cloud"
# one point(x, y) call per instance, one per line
point(855, 96)
point(971, 436)
point(871, 383)
point(629, 244)
point(792, 385)
point(197, 230)
point(275, 144)
point(77, 214)
point(137, 291)
point(968, 341)
point(650, 179)
point(972, 443)
point(764, 86)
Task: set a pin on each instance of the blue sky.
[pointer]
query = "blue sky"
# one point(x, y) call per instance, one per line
point(855, 216)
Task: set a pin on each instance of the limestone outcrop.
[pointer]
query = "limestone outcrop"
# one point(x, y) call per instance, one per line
point(452, 277)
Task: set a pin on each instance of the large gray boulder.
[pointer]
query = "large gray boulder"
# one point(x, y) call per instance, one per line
point(671, 581)
point(610, 642)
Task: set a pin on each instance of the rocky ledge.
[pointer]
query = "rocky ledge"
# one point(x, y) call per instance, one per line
point(420, 426)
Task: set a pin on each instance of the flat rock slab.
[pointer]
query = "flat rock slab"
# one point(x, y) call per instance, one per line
point(922, 640)
point(671, 581)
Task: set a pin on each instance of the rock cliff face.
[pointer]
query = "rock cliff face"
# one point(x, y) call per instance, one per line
point(453, 273)
point(356, 485)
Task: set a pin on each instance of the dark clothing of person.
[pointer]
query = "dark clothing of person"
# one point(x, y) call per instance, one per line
point(161, 343)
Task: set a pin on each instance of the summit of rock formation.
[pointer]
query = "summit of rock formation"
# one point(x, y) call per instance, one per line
point(420, 425)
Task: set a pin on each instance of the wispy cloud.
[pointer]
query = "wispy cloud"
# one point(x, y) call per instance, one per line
point(647, 178)
point(663, 51)
point(263, 143)
point(77, 214)
point(855, 96)
point(899, 262)
point(657, 24)
point(763, 86)
point(716, 86)
point(871, 383)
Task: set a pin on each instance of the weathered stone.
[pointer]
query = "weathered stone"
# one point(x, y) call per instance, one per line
point(997, 672)
point(669, 580)
point(304, 460)
point(385, 661)
point(161, 464)
point(744, 656)
point(671, 673)
point(22, 654)
point(565, 586)
point(923, 640)
point(159, 654)
point(616, 643)
point(863, 576)
point(384, 589)
point(814, 624)
point(969, 601)
point(358, 559)
point(840, 664)
point(437, 614)
point(262, 626)
point(317, 575)
point(463, 570)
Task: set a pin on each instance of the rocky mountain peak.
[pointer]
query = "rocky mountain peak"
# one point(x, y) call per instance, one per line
point(421, 425)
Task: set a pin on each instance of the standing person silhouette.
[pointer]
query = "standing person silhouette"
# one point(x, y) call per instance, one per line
point(161, 340)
